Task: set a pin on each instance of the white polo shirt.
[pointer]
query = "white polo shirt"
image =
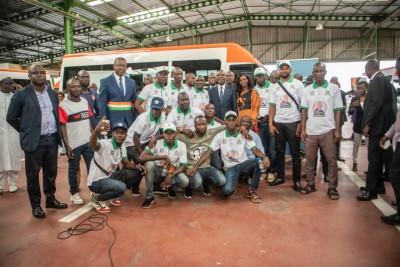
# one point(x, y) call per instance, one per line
point(286, 109)
point(183, 120)
point(174, 92)
point(108, 157)
point(153, 90)
point(321, 103)
point(232, 148)
point(199, 98)
point(213, 124)
point(264, 93)
point(176, 154)
point(145, 126)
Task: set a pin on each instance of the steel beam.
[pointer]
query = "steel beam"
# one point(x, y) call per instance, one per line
point(68, 29)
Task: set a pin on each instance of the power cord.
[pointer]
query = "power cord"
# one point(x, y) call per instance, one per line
point(92, 223)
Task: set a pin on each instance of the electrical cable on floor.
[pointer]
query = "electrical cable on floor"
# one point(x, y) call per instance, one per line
point(92, 223)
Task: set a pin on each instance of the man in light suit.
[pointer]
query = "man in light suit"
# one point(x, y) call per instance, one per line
point(33, 112)
point(117, 95)
point(222, 96)
point(379, 115)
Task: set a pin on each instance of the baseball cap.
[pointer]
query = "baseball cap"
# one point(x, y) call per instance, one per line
point(157, 102)
point(230, 114)
point(169, 127)
point(259, 71)
point(284, 62)
point(309, 79)
point(120, 125)
point(163, 69)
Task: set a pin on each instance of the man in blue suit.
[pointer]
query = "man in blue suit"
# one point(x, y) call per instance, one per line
point(117, 95)
point(33, 112)
point(222, 96)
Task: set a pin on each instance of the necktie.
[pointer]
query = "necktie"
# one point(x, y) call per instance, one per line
point(121, 87)
point(221, 93)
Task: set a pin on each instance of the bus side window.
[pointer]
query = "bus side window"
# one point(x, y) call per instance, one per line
point(194, 65)
point(243, 68)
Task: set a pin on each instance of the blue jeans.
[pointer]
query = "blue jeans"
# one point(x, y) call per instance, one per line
point(73, 165)
point(216, 161)
point(268, 141)
point(108, 188)
point(209, 176)
point(249, 167)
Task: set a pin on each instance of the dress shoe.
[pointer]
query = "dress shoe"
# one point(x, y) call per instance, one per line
point(393, 219)
point(326, 178)
point(341, 159)
point(297, 186)
point(55, 204)
point(278, 181)
point(381, 190)
point(38, 213)
point(366, 196)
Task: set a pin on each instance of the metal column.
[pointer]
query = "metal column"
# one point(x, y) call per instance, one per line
point(68, 29)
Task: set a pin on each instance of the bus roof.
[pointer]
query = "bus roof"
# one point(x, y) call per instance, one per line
point(236, 53)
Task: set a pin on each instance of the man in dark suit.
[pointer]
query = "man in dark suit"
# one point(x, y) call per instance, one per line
point(33, 112)
point(379, 115)
point(117, 95)
point(222, 96)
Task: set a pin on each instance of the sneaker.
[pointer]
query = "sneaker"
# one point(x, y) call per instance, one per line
point(158, 190)
point(135, 191)
point(147, 202)
point(188, 192)
point(206, 190)
point(100, 206)
point(13, 188)
point(115, 202)
point(171, 193)
point(76, 199)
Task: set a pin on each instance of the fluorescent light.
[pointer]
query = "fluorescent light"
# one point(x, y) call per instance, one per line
point(98, 2)
point(144, 20)
point(142, 13)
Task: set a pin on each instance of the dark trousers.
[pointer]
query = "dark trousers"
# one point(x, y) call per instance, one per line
point(375, 164)
point(133, 153)
point(324, 163)
point(287, 133)
point(73, 165)
point(394, 175)
point(44, 157)
point(268, 141)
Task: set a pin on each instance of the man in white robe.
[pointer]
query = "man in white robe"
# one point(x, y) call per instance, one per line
point(10, 149)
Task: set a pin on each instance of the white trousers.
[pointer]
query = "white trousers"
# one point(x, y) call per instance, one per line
point(11, 176)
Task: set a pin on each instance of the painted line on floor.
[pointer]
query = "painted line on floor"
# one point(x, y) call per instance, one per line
point(69, 218)
point(381, 204)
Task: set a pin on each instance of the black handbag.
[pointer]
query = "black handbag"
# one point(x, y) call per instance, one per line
point(119, 175)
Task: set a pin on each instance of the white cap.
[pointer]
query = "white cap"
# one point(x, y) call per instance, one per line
point(169, 127)
point(163, 69)
point(284, 62)
point(260, 71)
point(230, 114)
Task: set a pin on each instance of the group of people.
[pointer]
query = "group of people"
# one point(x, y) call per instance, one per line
point(185, 135)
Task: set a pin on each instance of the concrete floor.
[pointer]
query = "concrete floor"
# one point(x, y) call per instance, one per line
point(286, 229)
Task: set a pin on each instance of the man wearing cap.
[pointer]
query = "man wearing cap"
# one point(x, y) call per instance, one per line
point(222, 96)
point(183, 115)
point(10, 149)
point(176, 87)
point(109, 153)
point(198, 96)
point(284, 123)
point(165, 162)
point(236, 164)
point(74, 113)
point(117, 95)
point(155, 89)
point(33, 112)
point(264, 87)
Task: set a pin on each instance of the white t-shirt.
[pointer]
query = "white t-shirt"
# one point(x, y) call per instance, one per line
point(232, 148)
point(145, 126)
point(264, 93)
point(286, 109)
point(108, 157)
point(183, 120)
point(176, 154)
point(152, 90)
point(199, 98)
point(76, 116)
point(213, 124)
point(174, 92)
point(320, 103)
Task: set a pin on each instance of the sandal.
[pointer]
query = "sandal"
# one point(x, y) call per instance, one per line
point(308, 189)
point(252, 195)
point(333, 194)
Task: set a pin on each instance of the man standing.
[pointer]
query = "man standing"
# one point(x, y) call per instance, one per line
point(212, 80)
point(155, 89)
point(10, 149)
point(222, 96)
point(117, 95)
point(230, 79)
point(343, 117)
point(33, 112)
point(284, 123)
point(190, 81)
point(198, 96)
point(321, 106)
point(91, 97)
point(379, 115)
point(176, 87)
point(74, 112)
point(148, 79)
